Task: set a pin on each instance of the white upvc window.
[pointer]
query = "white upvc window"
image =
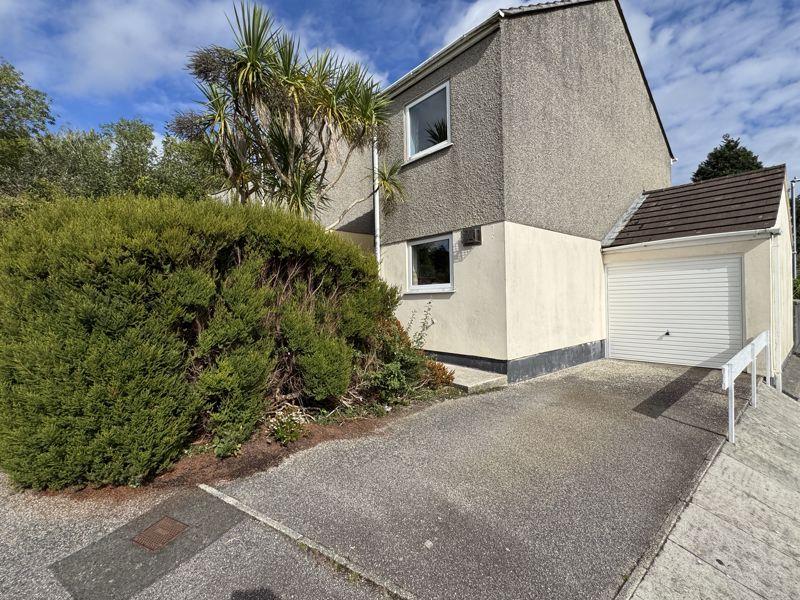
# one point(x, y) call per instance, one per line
point(430, 264)
point(427, 123)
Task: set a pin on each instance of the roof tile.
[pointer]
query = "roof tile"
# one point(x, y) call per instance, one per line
point(733, 203)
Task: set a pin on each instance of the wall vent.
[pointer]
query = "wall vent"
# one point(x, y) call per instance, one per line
point(471, 236)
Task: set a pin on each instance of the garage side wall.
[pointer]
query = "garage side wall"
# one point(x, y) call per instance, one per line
point(555, 293)
point(470, 321)
point(782, 269)
point(756, 275)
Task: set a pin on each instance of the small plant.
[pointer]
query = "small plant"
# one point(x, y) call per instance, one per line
point(437, 132)
point(437, 375)
point(418, 338)
point(288, 424)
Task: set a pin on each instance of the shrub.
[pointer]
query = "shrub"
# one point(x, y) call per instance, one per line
point(437, 375)
point(131, 327)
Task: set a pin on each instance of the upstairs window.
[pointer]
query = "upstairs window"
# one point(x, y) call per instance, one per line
point(431, 264)
point(428, 122)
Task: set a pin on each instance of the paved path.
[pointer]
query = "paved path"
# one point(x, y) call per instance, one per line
point(739, 537)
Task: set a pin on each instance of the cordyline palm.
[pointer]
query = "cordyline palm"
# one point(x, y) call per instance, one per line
point(284, 127)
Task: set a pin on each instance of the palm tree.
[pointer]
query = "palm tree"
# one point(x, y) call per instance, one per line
point(278, 123)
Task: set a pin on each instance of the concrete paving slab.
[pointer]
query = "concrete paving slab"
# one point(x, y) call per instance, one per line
point(773, 428)
point(473, 381)
point(252, 562)
point(768, 491)
point(766, 455)
point(740, 509)
point(677, 574)
point(791, 376)
point(553, 488)
point(751, 562)
point(743, 520)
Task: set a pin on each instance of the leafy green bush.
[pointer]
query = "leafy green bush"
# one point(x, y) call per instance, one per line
point(131, 327)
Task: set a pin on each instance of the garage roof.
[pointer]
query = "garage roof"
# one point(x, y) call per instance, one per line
point(740, 202)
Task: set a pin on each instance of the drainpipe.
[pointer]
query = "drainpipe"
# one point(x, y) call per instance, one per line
point(376, 200)
point(779, 306)
point(794, 227)
point(776, 307)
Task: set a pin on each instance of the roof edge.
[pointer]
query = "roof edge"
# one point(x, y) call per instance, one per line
point(472, 37)
point(692, 240)
point(450, 51)
point(644, 78)
point(721, 178)
point(622, 221)
point(490, 25)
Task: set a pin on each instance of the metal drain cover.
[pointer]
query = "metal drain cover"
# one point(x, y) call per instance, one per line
point(160, 533)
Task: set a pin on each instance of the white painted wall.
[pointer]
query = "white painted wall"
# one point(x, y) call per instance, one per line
point(555, 290)
point(527, 290)
point(782, 269)
point(521, 292)
point(472, 319)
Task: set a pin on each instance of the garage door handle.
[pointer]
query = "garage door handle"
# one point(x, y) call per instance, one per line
point(667, 332)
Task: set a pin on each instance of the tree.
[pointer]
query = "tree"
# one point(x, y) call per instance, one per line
point(24, 111)
point(185, 170)
point(24, 116)
point(281, 126)
point(132, 154)
point(729, 158)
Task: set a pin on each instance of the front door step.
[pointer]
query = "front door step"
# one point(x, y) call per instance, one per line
point(473, 381)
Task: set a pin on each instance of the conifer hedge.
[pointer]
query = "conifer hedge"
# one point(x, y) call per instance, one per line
point(130, 327)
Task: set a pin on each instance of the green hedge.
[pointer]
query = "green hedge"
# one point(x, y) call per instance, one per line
point(131, 327)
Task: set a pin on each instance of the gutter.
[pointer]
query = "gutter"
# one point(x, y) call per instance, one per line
point(457, 46)
point(692, 240)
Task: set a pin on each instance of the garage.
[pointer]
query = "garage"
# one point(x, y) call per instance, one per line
point(694, 271)
point(683, 312)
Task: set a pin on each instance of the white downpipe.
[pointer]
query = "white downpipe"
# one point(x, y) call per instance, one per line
point(771, 309)
point(793, 203)
point(778, 318)
point(376, 201)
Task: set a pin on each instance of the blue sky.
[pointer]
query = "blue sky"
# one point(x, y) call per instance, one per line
point(715, 66)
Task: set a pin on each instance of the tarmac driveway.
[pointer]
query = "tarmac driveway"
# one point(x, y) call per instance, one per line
point(555, 488)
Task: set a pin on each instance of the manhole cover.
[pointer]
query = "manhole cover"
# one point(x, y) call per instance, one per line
point(160, 533)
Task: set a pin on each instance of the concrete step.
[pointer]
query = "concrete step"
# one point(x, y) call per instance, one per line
point(473, 381)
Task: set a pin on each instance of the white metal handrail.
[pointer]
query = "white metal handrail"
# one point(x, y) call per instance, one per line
point(733, 368)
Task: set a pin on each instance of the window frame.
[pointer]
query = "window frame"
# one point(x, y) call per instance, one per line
point(430, 288)
point(407, 128)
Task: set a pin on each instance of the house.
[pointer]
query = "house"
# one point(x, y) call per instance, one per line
point(527, 144)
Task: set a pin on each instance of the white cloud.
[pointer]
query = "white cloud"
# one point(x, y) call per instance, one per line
point(107, 48)
point(721, 67)
point(475, 14)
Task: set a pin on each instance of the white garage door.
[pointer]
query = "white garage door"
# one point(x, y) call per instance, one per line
point(684, 312)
